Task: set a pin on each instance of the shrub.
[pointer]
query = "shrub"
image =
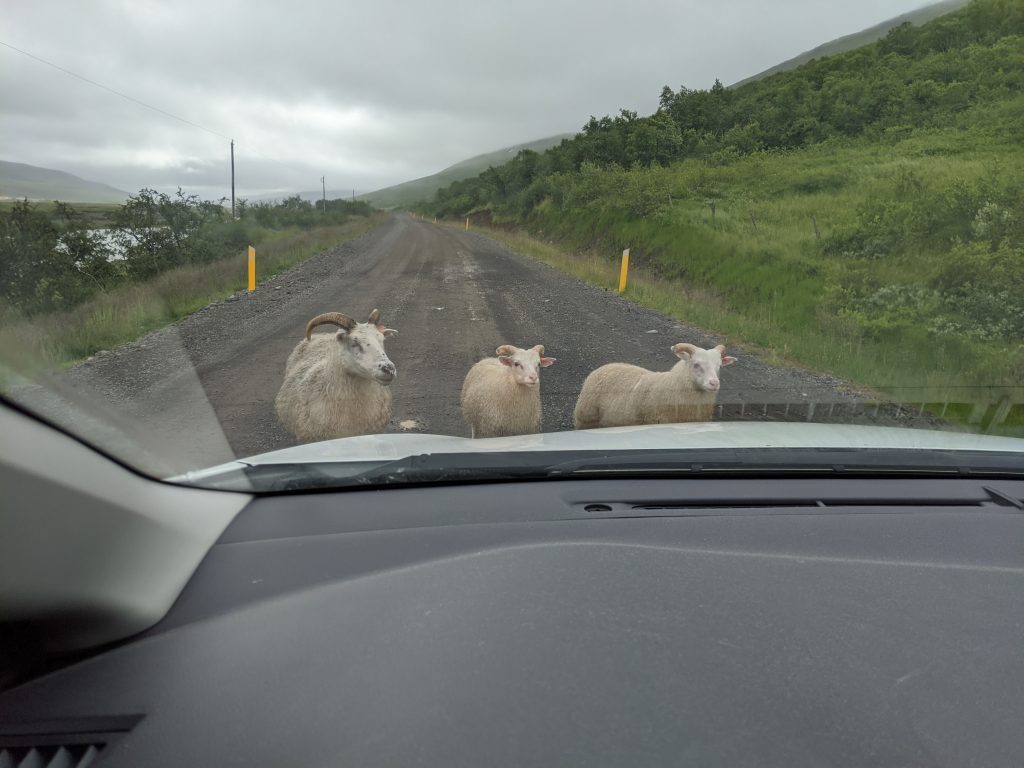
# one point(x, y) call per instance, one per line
point(982, 293)
point(46, 264)
point(55, 262)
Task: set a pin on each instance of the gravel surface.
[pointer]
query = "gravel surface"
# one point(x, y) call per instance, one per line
point(201, 391)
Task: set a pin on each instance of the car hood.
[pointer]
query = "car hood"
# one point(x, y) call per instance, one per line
point(670, 437)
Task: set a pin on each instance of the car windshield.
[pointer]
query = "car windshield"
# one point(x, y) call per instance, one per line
point(282, 247)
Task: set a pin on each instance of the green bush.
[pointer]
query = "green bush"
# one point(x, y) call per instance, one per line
point(154, 231)
point(982, 293)
point(46, 264)
point(50, 262)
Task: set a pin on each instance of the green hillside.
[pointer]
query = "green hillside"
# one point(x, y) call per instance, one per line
point(418, 190)
point(859, 39)
point(862, 214)
point(18, 180)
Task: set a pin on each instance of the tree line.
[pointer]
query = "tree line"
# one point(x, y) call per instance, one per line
point(913, 79)
point(54, 259)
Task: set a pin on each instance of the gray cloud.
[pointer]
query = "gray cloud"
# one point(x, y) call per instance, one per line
point(368, 93)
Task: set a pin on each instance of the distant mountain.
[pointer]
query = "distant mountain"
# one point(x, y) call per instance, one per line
point(858, 39)
point(413, 191)
point(18, 180)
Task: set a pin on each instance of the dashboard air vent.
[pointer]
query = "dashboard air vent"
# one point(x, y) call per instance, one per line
point(70, 756)
point(60, 744)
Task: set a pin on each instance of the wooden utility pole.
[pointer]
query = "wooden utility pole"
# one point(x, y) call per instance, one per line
point(323, 187)
point(232, 179)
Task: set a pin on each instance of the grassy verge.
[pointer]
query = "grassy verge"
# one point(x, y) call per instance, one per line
point(947, 391)
point(129, 311)
point(674, 298)
point(879, 299)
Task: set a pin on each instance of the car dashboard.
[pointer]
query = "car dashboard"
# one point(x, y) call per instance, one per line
point(787, 621)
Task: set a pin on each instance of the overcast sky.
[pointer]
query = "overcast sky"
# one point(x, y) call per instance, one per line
point(367, 93)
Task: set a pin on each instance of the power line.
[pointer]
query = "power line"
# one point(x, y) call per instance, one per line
point(256, 153)
point(115, 92)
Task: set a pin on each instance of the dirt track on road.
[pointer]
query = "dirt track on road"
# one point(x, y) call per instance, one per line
point(202, 390)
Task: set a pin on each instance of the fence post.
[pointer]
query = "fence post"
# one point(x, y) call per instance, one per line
point(624, 270)
point(467, 223)
point(252, 268)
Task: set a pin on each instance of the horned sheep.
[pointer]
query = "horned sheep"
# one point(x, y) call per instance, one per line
point(620, 394)
point(337, 384)
point(501, 395)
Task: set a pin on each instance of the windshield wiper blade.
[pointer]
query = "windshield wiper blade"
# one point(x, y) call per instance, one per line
point(409, 470)
point(796, 460)
point(462, 467)
point(438, 468)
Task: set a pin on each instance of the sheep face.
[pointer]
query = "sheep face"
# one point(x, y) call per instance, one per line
point(704, 364)
point(524, 364)
point(362, 352)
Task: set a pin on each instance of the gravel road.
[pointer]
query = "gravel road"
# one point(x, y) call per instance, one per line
point(201, 391)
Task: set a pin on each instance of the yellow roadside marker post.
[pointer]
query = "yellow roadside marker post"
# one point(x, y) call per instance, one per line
point(252, 268)
point(467, 222)
point(624, 271)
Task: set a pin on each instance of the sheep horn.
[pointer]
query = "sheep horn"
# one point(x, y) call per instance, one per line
point(505, 350)
point(374, 318)
point(330, 318)
point(684, 346)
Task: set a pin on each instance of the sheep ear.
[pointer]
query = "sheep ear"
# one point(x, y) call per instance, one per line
point(387, 331)
point(683, 351)
point(504, 360)
point(340, 335)
point(374, 318)
point(727, 360)
point(546, 361)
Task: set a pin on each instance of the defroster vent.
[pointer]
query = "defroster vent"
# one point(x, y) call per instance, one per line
point(73, 743)
point(71, 756)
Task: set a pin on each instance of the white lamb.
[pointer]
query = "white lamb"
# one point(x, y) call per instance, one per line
point(501, 395)
point(336, 384)
point(619, 394)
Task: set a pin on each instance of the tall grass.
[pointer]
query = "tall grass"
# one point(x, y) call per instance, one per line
point(769, 283)
point(129, 311)
point(928, 374)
